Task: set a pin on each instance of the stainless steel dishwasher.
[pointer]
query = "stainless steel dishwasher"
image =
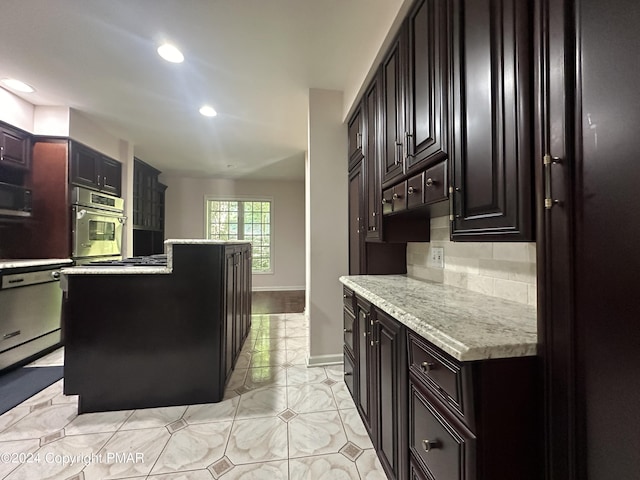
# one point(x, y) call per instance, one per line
point(30, 308)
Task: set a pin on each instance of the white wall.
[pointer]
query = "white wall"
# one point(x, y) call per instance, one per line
point(327, 238)
point(185, 218)
point(15, 111)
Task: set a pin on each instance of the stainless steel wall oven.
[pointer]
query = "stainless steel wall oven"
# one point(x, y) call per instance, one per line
point(97, 226)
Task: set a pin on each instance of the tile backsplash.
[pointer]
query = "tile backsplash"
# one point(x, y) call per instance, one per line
point(498, 269)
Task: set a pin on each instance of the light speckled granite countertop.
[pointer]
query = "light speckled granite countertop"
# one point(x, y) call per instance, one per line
point(467, 325)
point(149, 270)
point(38, 262)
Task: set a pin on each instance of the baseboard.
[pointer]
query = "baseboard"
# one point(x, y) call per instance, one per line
point(322, 360)
point(277, 289)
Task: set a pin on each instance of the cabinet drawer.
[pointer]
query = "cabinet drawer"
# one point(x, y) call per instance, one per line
point(387, 201)
point(348, 299)
point(435, 183)
point(439, 373)
point(348, 372)
point(399, 197)
point(443, 447)
point(349, 321)
point(415, 191)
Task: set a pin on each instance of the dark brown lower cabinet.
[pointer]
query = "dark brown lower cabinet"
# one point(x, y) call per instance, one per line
point(390, 364)
point(432, 417)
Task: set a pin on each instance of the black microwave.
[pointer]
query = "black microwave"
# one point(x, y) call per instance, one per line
point(15, 201)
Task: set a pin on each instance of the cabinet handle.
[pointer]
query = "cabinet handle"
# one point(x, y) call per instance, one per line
point(396, 196)
point(429, 182)
point(348, 374)
point(372, 343)
point(346, 330)
point(412, 190)
point(347, 296)
point(384, 201)
point(407, 135)
point(1, 152)
point(359, 140)
point(427, 366)
point(429, 445)
point(364, 334)
point(98, 179)
point(396, 160)
point(548, 162)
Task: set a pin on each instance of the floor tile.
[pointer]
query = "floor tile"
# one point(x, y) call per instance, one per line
point(52, 359)
point(297, 331)
point(316, 434)
point(324, 467)
point(259, 471)
point(194, 447)
point(190, 475)
point(212, 412)
point(55, 458)
point(342, 396)
point(97, 422)
point(265, 377)
point(297, 357)
point(17, 450)
point(369, 466)
point(237, 378)
point(300, 374)
point(257, 440)
point(297, 343)
point(268, 358)
point(40, 423)
point(335, 372)
point(152, 417)
point(265, 402)
point(354, 428)
point(266, 344)
point(309, 398)
point(145, 446)
point(13, 416)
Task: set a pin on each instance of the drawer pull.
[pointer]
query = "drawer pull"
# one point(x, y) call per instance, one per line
point(346, 330)
point(7, 336)
point(429, 445)
point(412, 190)
point(426, 367)
point(347, 296)
point(348, 374)
point(429, 182)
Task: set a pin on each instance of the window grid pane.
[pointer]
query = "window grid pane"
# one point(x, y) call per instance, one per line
point(243, 220)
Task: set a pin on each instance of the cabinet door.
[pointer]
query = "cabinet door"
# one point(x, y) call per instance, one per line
point(355, 137)
point(15, 149)
point(110, 176)
point(356, 234)
point(364, 371)
point(492, 102)
point(230, 310)
point(426, 99)
point(391, 380)
point(393, 134)
point(373, 217)
point(85, 166)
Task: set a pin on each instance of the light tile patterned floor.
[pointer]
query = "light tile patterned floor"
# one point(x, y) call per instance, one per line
point(279, 420)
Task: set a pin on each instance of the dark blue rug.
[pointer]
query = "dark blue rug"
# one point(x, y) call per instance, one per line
point(22, 383)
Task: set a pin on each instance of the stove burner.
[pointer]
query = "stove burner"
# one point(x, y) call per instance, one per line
point(159, 260)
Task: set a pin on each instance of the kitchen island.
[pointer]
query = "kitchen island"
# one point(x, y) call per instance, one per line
point(139, 336)
point(446, 381)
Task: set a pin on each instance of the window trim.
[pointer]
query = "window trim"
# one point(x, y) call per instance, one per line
point(244, 198)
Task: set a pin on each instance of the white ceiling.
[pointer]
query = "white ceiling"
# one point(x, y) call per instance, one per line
point(253, 60)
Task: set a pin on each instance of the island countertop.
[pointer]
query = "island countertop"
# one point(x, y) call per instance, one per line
point(144, 269)
point(467, 325)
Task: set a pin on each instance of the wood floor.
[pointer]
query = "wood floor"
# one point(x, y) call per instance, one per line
point(290, 301)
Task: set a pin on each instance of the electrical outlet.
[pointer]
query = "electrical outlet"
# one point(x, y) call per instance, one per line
point(436, 257)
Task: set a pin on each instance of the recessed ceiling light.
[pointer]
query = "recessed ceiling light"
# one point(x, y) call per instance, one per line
point(170, 53)
point(14, 84)
point(208, 111)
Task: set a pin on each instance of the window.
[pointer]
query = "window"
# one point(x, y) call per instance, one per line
point(243, 220)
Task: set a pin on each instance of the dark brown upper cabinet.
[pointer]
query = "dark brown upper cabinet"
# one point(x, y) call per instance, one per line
point(393, 88)
point(492, 103)
point(15, 148)
point(373, 186)
point(426, 95)
point(91, 169)
point(355, 134)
